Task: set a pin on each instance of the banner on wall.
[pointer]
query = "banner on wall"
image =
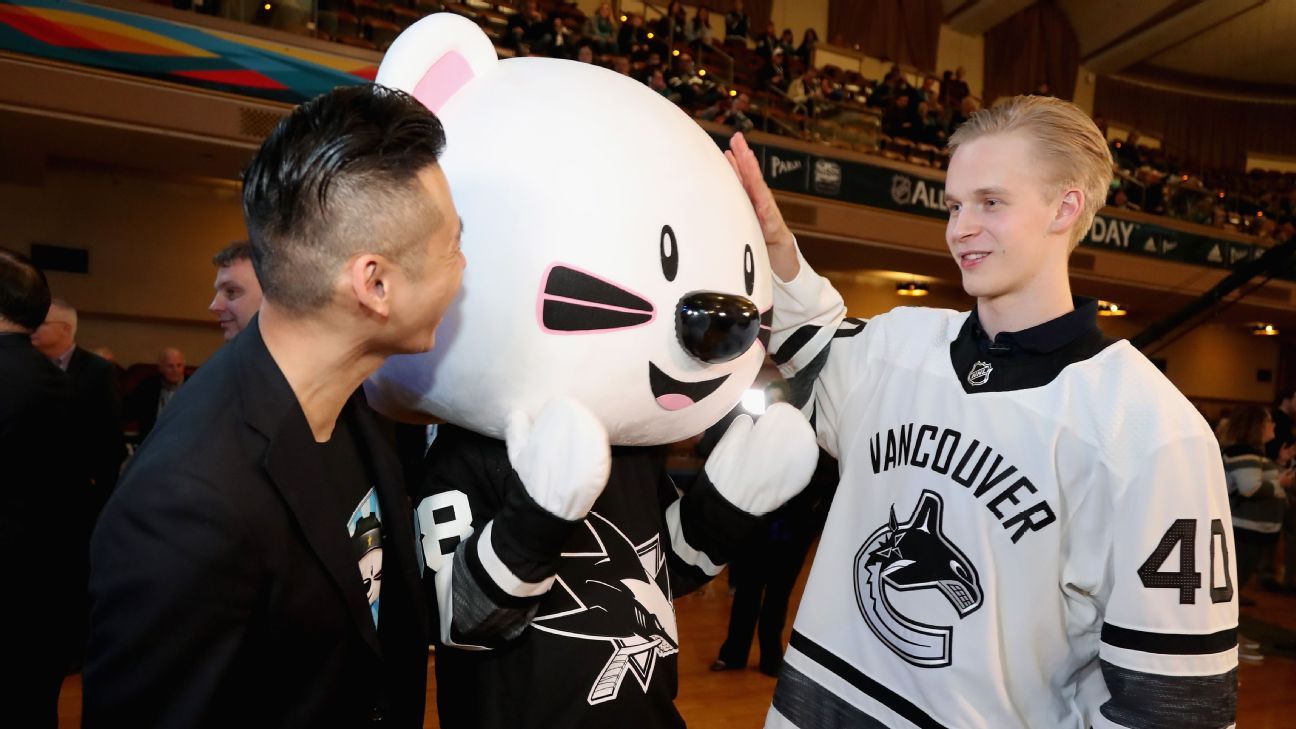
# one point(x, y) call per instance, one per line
point(882, 187)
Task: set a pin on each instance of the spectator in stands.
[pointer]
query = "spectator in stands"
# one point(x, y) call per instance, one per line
point(947, 76)
point(238, 294)
point(901, 119)
point(1257, 494)
point(773, 75)
point(806, 51)
point(962, 113)
point(145, 403)
point(737, 25)
point(657, 82)
point(558, 40)
point(931, 128)
point(766, 44)
point(1120, 200)
point(95, 396)
point(731, 111)
point(958, 89)
point(1127, 153)
point(693, 89)
point(621, 65)
point(585, 54)
point(674, 24)
point(804, 89)
point(1041, 89)
point(928, 93)
point(787, 42)
point(600, 30)
point(525, 27)
point(699, 28)
point(632, 39)
point(38, 544)
point(891, 87)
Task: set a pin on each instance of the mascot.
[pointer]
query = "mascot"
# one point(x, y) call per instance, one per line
point(617, 298)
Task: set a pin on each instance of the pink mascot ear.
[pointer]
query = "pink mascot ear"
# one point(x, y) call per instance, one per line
point(436, 57)
point(443, 80)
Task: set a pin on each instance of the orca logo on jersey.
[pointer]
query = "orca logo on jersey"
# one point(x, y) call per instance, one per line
point(914, 555)
point(616, 592)
point(980, 374)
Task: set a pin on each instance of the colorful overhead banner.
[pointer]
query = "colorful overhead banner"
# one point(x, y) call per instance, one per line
point(882, 187)
point(140, 45)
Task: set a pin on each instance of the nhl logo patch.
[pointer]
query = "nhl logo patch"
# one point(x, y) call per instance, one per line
point(980, 374)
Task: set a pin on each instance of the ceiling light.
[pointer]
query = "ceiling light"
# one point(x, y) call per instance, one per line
point(911, 289)
point(1264, 330)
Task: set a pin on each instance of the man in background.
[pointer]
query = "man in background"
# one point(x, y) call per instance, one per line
point(145, 403)
point(238, 293)
point(35, 544)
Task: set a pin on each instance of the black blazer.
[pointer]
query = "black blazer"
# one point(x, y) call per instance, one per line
point(224, 591)
point(140, 405)
point(99, 406)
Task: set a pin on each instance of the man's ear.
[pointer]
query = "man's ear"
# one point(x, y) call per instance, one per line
point(1069, 210)
point(370, 276)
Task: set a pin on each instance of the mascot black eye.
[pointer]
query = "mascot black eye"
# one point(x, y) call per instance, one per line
point(669, 253)
point(749, 269)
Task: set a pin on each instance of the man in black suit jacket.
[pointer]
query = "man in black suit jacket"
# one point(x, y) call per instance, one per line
point(258, 564)
point(35, 544)
point(100, 445)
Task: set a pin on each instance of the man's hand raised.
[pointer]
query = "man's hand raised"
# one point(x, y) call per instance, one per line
point(778, 238)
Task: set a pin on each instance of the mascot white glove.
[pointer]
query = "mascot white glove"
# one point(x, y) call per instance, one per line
point(758, 466)
point(563, 457)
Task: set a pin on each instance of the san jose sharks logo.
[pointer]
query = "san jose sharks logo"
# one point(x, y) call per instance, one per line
point(618, 593)
point(914, 555)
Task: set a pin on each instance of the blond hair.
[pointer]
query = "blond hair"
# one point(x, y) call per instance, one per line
point(1074, 152)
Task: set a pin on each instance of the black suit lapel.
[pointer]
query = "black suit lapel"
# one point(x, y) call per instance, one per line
point(271, 408)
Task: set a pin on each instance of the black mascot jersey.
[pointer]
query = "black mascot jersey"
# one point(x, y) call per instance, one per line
point(592, 645)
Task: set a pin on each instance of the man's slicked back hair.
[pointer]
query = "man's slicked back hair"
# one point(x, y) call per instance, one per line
point(1069, 146)
point(339, 177)
point(24, 292)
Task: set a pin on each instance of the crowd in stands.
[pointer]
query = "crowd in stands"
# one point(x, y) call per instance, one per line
point(1147, 179)
point(732, 74)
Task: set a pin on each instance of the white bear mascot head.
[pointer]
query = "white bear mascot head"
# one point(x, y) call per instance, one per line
point(613, 256)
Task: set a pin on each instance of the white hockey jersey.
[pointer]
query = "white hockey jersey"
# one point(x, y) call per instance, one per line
point(1033, 541)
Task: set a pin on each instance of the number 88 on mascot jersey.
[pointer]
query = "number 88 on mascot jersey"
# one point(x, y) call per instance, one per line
point(617, 298)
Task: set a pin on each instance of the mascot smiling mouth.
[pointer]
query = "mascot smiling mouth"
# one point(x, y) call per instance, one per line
point(672, 394)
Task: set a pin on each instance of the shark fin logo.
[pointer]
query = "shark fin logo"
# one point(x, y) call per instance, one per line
point(618, 593)
point(914, 555)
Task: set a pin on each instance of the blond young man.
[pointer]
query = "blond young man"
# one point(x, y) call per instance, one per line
point(1031, 526)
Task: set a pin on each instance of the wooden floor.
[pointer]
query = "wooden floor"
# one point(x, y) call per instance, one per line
point(739, 699)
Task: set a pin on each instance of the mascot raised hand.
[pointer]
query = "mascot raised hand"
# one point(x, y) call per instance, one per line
point(617, 298)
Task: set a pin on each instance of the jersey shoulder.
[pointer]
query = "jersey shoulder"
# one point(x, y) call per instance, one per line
point(909, 333)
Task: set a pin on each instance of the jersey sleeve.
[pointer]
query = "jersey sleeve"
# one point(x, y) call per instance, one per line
point(821, 351)
point(705, 532)
point(491, 552)
point(1168, 649)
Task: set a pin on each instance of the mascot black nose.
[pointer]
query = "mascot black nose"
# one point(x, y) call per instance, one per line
point(715, 327)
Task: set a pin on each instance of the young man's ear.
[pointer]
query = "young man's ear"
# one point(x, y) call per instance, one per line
point(370, 279)
point(1068, 211)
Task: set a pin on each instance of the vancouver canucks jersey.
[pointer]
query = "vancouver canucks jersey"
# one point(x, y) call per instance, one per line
point(1017, 541)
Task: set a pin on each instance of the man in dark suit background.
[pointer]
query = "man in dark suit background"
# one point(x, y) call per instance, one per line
point(153, 393)
point(98, 399)
point(257, 565)
point(97, 447)
point(35, 541)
